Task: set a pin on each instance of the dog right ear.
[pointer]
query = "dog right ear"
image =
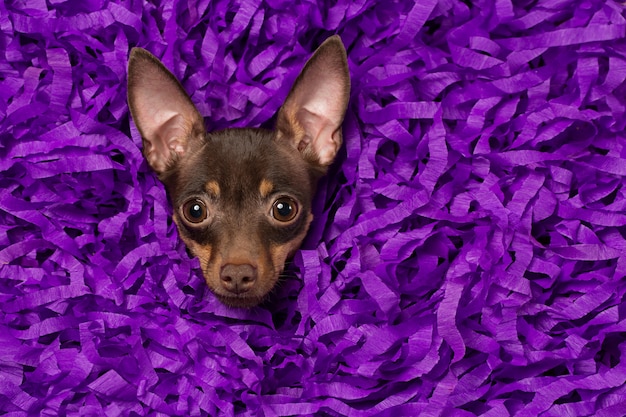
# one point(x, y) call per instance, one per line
point(313, 112)
point(169, 123)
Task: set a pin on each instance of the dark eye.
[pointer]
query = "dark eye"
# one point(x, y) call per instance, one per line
point(194, 211)
point(284, 209)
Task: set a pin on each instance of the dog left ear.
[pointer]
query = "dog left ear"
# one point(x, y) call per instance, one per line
point(312, 114)
point(169, 123)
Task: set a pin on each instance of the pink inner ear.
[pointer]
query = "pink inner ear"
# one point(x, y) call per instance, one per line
point(320, 102)
point(321, 134)
point(314, 110)
point(162, 111)
point(167, 144)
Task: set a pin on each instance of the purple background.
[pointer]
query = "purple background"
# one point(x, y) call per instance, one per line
point(468, 254)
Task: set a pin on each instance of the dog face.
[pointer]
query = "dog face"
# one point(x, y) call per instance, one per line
point(241, 197)
point(243, 209)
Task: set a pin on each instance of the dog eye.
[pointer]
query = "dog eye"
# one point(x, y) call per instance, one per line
point(284, 209)
point(194, 211)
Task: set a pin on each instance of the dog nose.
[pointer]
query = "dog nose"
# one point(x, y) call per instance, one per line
point(238, 278)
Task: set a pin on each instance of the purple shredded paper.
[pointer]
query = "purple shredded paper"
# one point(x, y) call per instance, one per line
point(468, 253)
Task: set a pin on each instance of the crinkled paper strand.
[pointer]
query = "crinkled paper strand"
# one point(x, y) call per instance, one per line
point(467, 254)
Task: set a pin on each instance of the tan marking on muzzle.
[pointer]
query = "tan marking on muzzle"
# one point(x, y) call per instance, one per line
point(280, 253)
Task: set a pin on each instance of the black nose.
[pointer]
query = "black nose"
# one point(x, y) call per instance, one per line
point(238, 278)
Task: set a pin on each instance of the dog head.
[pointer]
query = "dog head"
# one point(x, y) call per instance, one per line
point(241, 197)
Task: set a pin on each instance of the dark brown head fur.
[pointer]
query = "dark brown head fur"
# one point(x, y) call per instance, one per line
point(241, 197)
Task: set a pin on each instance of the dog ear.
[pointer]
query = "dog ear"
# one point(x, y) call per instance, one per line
point(169, 123)
point(312, 114)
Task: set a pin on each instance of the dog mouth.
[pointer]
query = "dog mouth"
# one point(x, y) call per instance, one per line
point(241, 286)
point(239, 300)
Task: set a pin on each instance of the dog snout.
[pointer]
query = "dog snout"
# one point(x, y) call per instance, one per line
point(238, 279)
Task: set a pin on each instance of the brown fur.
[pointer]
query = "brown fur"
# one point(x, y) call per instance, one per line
point(225, 186)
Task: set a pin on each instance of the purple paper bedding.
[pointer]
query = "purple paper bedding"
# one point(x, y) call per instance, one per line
point(468, 252)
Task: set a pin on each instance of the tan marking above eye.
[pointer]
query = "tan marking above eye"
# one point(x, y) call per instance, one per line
point(265, 188)
point(213, 188)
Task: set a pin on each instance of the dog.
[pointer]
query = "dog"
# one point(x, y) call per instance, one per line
point(241, 197)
